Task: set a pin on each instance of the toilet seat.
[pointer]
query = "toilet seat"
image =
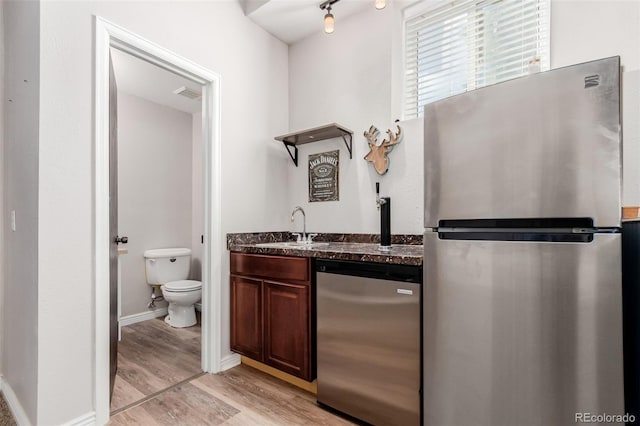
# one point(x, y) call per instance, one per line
point(182, 286)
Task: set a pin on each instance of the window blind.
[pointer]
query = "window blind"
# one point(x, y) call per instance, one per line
point(468, 44)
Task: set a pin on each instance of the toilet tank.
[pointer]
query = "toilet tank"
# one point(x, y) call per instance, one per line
point(165, 265)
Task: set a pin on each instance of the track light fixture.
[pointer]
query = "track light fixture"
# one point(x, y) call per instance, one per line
point(329, 20)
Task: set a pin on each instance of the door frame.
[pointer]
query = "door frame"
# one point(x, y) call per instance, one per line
point(109, 35)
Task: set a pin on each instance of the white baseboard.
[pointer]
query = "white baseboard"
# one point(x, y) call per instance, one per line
point(229, 361)
point(14, 404)
point(88, 419)
point(142, 316)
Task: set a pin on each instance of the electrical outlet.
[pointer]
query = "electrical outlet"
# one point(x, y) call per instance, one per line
point(13, 220)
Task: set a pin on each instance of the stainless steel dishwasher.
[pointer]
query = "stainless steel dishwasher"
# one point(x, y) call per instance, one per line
point(369, 340)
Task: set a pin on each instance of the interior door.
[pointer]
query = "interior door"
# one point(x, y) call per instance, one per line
point(113, 227)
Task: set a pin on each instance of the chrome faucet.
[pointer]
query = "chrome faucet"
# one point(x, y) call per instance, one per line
point(304, 223)
point(305, 239)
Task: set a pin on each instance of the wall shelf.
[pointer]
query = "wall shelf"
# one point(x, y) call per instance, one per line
point(316, 134)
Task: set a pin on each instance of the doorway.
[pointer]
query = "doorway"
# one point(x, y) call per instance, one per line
point(156, 198)
point(109, 36)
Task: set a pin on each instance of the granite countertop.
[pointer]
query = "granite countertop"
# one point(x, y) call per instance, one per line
point(405, 249)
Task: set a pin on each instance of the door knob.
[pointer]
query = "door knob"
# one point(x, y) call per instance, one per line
point(122, 240)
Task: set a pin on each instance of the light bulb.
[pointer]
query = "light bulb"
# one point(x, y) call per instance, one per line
point(380, 4)
point(329, 23)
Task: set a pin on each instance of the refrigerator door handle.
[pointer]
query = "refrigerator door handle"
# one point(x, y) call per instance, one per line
point(525, 230)
point(532, 230)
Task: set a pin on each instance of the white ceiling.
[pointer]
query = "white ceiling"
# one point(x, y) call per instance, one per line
point(293, 20)
point(140, 78)
point(288, 20)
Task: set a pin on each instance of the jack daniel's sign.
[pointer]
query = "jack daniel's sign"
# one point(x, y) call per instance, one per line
point(323, 176)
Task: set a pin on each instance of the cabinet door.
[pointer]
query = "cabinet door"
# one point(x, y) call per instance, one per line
point(287, 328)
point(246, 317)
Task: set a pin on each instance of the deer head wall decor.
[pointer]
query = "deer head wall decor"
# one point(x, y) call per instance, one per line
point(378, 154)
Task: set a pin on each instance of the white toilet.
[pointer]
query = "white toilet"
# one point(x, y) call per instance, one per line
point(169, 268)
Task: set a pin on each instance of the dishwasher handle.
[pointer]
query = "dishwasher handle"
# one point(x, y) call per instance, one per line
point(382, 271)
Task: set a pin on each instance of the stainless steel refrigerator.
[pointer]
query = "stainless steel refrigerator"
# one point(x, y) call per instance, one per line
point(522, 303)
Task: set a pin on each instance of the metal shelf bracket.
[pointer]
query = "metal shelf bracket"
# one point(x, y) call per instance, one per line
point(294, 155)
point(348, 144)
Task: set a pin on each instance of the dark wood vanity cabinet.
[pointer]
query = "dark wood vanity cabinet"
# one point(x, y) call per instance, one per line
point(286, 327)
point(271, 311)
point(246, 316)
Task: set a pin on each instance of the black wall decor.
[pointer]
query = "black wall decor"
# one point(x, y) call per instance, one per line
point(323, 176)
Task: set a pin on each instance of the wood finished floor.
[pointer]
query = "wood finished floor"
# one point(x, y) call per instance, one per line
point(153, 356)
point(239, 396)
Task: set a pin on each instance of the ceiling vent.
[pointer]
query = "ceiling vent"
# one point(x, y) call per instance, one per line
point(187, 93)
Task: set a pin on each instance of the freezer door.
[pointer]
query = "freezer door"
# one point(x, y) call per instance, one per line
point(519, 333)
point(546, 145)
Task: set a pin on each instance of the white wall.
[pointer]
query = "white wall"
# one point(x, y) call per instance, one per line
point(154, 189)
point(353, 77)
point(197, 202)
point(253, 68)
point(346, 78)
point(20, 314)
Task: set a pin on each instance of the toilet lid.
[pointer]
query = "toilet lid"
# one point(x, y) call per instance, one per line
point(183, 285)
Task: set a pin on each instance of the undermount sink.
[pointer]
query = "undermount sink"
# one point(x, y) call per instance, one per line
point(292, 244)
